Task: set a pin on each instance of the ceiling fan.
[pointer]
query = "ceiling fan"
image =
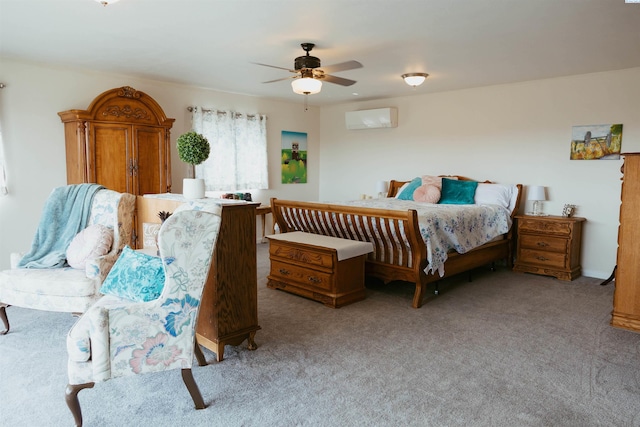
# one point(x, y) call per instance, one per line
point(308, 74)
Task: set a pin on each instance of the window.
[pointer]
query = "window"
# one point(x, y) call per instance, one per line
point(238, 158)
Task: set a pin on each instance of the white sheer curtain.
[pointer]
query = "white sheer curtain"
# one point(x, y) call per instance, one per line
point(238, 158)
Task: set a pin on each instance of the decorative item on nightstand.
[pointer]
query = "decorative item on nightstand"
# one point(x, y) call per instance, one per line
point(568, 211)
point(536, 194)
point(381, 189)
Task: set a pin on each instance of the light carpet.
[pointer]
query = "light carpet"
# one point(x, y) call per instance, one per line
point(506, 349)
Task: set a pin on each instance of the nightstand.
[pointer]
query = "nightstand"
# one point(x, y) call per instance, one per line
point(549, 245)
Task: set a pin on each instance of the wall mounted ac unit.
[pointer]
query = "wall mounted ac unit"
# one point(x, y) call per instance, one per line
point(372, 119)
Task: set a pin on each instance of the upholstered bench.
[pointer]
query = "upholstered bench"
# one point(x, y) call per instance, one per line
point(323, 268)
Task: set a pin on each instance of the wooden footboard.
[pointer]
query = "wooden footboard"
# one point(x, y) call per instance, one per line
point(393, 258)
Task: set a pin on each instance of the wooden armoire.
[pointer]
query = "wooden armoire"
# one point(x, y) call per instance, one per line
point(121, 141)
point(626, 297)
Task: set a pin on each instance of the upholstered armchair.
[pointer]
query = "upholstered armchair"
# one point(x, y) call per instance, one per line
point(69, 289)
point(119, 337)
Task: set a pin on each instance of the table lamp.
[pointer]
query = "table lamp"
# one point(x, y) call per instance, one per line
point(381, 189)
point(536, 193)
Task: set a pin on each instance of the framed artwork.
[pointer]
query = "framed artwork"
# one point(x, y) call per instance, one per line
point(596, 142)
point(294, 157)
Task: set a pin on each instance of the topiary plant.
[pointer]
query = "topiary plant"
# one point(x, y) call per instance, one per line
point(193, 148)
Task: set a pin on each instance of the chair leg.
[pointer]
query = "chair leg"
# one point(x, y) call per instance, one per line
point(71, 396)
point(5, 320)
point(199, 356)
point(187, 377)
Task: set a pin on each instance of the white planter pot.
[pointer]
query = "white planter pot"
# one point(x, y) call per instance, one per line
point(193, 188)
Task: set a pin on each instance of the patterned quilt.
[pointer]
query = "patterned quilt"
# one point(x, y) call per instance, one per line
point(447, 227)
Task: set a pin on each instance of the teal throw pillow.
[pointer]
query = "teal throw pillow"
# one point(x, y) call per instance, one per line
point(456, 192)
point(135, 276)
point(407, 192)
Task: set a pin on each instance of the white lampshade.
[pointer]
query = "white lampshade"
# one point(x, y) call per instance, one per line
point(381, 187)
point(536, 192)
point(306, 86)
point(414, 79)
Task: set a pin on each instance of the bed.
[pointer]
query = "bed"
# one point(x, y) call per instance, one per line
point(407, 246)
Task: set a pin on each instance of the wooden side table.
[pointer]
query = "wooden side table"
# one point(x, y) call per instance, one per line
point(229, 305)
point(263, 211)
point(549, 245)
point(323, 268)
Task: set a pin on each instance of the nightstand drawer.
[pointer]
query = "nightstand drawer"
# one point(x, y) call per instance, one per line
point(544, 243)
point(547, 227)
point(303, 276)
point(549, 259)
point(301, 256)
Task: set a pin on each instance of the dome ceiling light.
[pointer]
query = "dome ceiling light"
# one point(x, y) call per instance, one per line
point(414, 79)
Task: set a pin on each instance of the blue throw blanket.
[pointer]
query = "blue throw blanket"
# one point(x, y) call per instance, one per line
point(65, 214)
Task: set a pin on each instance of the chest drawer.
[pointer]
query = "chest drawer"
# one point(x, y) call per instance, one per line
point(300, 255)
point(543, 243)
point(543, 258)
point(303, 276)
point(546, 227)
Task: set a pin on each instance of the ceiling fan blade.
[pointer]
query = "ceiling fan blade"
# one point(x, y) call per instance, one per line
point(273, 66)
point(343, 66)
point(338, 80)
point(283, 78)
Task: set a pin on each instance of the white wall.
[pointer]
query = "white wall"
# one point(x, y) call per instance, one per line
point(517, 133)
point(34, 136)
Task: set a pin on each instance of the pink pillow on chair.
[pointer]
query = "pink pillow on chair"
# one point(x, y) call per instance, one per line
point(90, 243)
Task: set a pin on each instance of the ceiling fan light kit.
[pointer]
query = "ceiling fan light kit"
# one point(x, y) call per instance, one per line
point(306, 86)
point(414, 79)
point(309, 76)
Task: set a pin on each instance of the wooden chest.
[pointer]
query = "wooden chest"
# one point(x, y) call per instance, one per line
point(322, 268)
point(549, 245)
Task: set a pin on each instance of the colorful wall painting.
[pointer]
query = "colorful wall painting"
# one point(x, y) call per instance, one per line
point(596, 142)
point(294, 157)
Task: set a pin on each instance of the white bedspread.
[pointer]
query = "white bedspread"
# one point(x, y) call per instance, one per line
point(446, 227)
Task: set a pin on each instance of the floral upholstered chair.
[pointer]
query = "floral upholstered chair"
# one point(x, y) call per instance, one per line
point(69, 289)
point(119, 337)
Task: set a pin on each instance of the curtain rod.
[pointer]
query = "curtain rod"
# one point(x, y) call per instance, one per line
point(205, 110)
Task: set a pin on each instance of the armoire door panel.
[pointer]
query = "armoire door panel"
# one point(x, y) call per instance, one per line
point(150, 156)
point(110, 163)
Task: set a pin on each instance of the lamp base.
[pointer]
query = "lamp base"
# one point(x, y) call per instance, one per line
point(537, 208)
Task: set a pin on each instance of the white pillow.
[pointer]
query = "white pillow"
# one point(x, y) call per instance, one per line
point(496, 194)
point(90, 243)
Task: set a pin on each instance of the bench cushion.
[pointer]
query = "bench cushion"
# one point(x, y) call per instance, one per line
point(345, 248)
